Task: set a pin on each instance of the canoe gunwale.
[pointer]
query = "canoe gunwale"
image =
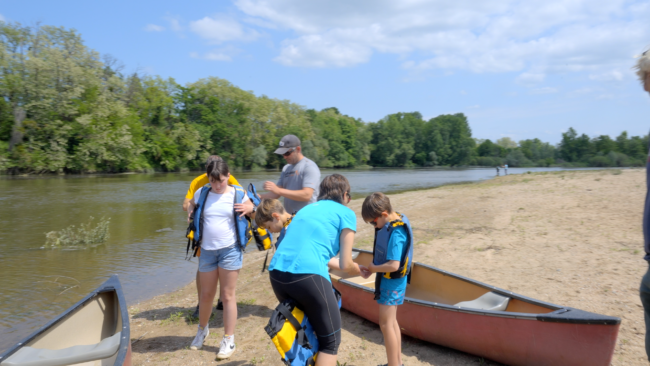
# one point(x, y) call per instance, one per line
point(111, 285)
point(560, 314)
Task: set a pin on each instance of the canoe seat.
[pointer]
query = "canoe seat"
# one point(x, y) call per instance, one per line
point(489, 301)
point(28, 356)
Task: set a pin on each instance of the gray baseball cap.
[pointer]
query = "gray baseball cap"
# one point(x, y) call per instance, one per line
point(287, 143)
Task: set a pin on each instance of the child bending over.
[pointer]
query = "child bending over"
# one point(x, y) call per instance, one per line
point(270, 215)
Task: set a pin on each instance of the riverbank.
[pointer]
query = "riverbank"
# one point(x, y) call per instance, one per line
point(569, 237)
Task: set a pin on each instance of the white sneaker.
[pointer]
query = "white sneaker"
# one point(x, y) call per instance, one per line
point(201, 335)
point(227, 347)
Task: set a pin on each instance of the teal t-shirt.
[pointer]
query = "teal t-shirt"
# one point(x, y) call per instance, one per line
point(313, 238)
point(397, 246)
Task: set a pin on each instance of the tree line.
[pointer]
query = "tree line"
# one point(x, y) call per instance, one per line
point(66, 109)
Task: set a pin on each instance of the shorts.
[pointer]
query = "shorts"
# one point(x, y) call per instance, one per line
point(391, 297)
point(230, 258)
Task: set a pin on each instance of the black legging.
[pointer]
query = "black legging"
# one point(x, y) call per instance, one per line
point(313, 294)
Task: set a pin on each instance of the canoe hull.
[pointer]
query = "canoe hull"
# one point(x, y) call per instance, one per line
point(94, 331)
point(507, 340)
point(530, 332)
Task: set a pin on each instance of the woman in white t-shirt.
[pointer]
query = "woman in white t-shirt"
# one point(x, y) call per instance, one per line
point(221, 253)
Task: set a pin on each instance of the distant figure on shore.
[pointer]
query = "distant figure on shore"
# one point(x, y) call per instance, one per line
point(300, 178)
point(497, 170)
point(505, 169)
point(643, 67)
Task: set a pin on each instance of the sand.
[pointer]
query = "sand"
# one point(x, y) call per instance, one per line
point(572, 238)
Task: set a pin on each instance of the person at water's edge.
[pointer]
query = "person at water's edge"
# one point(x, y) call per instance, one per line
point(644, 74)
point(300, 178)
point(222, 244)
point(197, 184)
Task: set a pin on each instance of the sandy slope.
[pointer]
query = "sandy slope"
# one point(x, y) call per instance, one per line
point(570, 238)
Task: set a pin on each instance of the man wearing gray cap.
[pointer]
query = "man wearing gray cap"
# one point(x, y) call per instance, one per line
point(300, 178)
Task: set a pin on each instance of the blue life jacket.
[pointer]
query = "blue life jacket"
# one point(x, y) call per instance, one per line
point(195, 229)
point(252, 194)
point(380, 251)
point(293, 335)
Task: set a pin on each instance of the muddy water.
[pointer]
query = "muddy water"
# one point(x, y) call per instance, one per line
point(146, 247)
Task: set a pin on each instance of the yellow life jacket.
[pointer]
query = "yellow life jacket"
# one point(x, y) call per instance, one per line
point(263, 238)
point(293, 335)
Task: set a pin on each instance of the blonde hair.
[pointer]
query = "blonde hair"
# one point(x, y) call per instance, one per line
point(643, 65)
point(266, 209)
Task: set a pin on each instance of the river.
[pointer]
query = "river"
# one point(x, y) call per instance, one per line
point(146, 247)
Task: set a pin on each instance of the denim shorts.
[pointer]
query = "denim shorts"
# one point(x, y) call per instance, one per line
point(230, 258)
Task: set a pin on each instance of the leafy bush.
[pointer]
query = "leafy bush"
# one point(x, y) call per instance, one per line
point(516, 158)
point(85, 235)
point(488, 161)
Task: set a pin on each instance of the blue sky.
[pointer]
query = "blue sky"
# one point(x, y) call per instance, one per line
point(521, 69)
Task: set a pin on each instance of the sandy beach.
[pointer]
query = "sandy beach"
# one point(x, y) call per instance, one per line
point(572, 238)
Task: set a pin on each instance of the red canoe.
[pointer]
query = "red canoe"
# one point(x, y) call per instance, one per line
point(457, 312)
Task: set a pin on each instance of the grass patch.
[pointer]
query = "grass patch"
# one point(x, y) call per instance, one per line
point(246, 302)
point(617, 172)
point(255, 361)
point(173, 318)
point(84, 235)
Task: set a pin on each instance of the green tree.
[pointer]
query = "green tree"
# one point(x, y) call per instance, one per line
point(506, 143)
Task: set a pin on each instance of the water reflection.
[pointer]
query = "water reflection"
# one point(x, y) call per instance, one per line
point(39, 283)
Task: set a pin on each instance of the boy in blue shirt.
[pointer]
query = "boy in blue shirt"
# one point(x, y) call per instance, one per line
point(393, 255)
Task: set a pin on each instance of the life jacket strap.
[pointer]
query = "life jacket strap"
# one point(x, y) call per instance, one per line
point(302, 339)
point(266, 260)
point(378, 277)
point(187, 250)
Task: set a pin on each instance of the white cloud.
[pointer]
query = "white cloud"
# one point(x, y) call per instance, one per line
point(220, 54)
point(474, 106)
point(174, 23)
point(221, 28)
point(535, 37)
point(583, 91)
point(530, 79)
point(154, 28)
point(605, 97)
point(2, 18)
point(545, 90)
point(613, 75)
point(317, 51)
